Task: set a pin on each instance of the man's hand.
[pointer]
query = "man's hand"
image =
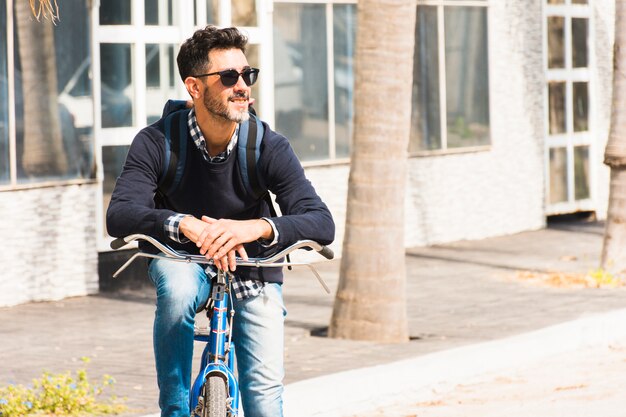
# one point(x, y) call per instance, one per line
point(222, 239)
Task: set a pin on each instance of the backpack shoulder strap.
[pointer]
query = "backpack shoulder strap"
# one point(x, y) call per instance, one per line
point(175, 152)
point(248, 153)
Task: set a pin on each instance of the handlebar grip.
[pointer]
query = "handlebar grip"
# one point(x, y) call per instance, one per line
point(326, 252)
point(118, 243)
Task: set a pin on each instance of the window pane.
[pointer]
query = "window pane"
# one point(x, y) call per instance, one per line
point(113, 158)
point(300, 75)
point(244, 12)
point(556, 1)
point(558, 175)
point(160, 78)
point(212, 11)
point(161, 12)
point(54, 141)
point(580, 28)
point(581, 172)
point(467, 76)
point(4, 99)
point(115, 12)
point(252, 55)
point(117, 84)
point(581, 107)
point(426, 112)
point(556, 98)
point(556, 45)
point(579, 1)
point(344, 35)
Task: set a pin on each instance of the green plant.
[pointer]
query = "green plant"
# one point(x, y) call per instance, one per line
point(604, 278)
point(59, 395)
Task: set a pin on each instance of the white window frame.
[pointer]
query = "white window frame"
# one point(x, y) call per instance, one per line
point(569, 75)
point(441, 45)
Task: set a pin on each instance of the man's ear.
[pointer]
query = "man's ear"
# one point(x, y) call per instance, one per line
point(193, 87)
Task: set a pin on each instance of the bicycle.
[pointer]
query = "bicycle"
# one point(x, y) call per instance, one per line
point(215, 391)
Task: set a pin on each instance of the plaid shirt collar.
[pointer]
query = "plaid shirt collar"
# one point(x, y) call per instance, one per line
point(198, 139)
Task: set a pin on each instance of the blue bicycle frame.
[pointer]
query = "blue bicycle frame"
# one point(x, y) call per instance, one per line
point(218, 356)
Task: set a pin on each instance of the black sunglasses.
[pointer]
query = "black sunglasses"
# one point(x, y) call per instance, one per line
point(230, 77)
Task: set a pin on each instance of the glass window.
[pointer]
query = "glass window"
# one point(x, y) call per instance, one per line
point(212, 11)
point(466, 77)
point(115, 12)
point(53, 102)
point(581, 172)
point(426, 112)
point(558, 175)
point(300, 76)
point(113, 158)
point(4, 99)
point(252, 55)
point(467, 83)
point(556, 102)
point(161, 75)
point(244, 12)
point(580, 29)
point(581, 106)
point(556, 43)
point(344, 35)
point(161, 12)
point(117, 84)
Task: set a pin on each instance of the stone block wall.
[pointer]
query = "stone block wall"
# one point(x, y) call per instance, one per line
point(48, 245)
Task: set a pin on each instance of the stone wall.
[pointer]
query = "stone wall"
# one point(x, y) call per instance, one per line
point(48, 249)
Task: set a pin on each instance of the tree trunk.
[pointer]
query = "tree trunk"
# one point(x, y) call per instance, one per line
point(43, 144)
point(371, 300)
point(613, 253)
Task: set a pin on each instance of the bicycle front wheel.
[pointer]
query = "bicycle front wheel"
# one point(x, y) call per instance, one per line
point(216, 403)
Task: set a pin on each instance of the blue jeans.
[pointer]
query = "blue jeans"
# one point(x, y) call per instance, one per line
point(257, 331)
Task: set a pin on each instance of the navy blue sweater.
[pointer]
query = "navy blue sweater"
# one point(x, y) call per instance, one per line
point(217, 190)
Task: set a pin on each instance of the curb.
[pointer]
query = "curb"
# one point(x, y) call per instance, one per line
point(346, 394)
point(357, 391)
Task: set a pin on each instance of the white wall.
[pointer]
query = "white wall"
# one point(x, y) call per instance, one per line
point(48, 244)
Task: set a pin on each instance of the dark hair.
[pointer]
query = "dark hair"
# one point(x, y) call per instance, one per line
point(193, 57)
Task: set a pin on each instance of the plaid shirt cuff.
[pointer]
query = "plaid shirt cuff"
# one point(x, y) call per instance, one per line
point(172, 225)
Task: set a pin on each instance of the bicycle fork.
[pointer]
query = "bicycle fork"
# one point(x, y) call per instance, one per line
point(218, 357)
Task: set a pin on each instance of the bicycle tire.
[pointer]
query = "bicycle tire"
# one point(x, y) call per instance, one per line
point(216, 403)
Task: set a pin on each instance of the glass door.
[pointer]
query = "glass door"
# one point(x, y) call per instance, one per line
point(135, 70)
point(569, 127)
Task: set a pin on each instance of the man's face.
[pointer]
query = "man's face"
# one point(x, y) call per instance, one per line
point(230, 103)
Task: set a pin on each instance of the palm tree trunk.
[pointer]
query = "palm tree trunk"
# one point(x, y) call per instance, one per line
point(43, 143)
point(613, 252)
point(371, 300)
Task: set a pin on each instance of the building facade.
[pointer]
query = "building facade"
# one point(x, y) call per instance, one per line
point(511, 107)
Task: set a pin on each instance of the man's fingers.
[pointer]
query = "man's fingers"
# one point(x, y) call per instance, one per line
point(213, 232)
point(232, 262)
point(220, 246)
point(242, 252)
point(208, 219)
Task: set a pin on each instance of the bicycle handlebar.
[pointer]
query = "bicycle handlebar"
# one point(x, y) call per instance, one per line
point(270, 261)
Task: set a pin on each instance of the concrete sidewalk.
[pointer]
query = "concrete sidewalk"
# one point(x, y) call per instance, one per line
point(468, 313)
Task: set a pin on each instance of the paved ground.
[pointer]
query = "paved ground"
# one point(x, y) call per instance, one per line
point(458, 295)
point(587, 382)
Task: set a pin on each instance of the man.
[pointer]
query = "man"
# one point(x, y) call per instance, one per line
point(210, 212)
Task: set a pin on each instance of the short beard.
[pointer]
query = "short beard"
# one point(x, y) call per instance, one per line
point(214, 106)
